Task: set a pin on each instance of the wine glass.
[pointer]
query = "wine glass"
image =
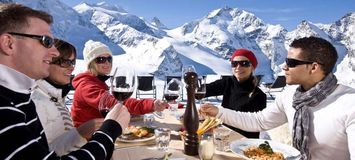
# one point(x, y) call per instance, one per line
point(200, 89)
point(186, 70)
point(105, 105)
point(123, 84)
point(172, 91)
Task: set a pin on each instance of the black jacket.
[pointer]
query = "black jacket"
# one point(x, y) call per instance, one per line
point(237, 96)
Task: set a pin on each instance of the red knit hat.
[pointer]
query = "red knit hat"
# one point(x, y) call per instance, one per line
point(246, 53)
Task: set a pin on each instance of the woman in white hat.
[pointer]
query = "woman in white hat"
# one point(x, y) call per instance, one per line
point(90, 87)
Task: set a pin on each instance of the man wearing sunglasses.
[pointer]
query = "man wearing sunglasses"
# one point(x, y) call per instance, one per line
point(240, 91)
point(91, 88)
point(320, 111)
point(26, 52)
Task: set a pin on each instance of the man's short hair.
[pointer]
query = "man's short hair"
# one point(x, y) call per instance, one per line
point(315, 49)
point(14, 17)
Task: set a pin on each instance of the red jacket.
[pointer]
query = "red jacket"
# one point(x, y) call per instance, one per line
point(89, 89)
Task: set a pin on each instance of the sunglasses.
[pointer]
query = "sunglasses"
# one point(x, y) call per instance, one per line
point(65, 63)
point(241, 63)
point(46, 41)
point(291, 63)
point(101, 60)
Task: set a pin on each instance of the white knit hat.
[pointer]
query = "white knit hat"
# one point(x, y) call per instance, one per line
point(94, 49)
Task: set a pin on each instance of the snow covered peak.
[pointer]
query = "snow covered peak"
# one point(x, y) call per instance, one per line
point(306, 29)
point(221, 12)
point(239, 17)
point(84, 7)
point(106, 17)
point(157, 23)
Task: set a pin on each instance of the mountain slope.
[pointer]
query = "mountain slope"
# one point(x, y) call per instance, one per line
point(206, 43)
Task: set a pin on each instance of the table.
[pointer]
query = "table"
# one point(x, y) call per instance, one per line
point(144, 150)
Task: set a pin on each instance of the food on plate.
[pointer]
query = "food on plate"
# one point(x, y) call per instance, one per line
point(207, 124)
point(262, 152)
point(137, 132)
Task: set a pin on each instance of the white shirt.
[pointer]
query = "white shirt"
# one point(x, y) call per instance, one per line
point(55, 117)
point(332, 122)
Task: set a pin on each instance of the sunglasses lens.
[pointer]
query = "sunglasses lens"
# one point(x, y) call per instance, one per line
point(241, 63)
point(68, 63)
point(101, 60)
point(109, 59)
point(65, 63)
point(290, 63)
point(245, 63)
point(47, 41)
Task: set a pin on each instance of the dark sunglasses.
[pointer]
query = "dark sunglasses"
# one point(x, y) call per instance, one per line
point(241, 63)
point(101, 60)
point(65, 63)
point(46, 41)
point(291, 63)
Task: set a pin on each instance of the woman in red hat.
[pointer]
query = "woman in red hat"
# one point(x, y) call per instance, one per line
point(240, 91)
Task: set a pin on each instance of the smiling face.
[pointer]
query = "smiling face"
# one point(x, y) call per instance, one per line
point(29, 55)
point(103, 68)
point(242, 73)
point(61, 75)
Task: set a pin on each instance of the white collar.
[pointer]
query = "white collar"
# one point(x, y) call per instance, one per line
point(15, 80)
point(49, 89)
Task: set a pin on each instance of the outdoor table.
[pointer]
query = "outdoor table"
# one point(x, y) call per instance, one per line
point(147, 150)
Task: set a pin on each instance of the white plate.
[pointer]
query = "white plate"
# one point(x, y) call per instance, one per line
point(159, 114)
point(135, 140)
point(289, 152)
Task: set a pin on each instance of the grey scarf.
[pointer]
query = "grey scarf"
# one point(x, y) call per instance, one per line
point(302, 100)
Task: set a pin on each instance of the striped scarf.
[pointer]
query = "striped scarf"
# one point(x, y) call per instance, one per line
point(302, 100)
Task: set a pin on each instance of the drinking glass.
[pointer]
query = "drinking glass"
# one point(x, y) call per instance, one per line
point(123, 84)
point(148, 119)
point(172, 91)
point(187, 69)
point(206, 147)
point(104, 104)
point(162, 138)
point(221, 138)
point(201, 89)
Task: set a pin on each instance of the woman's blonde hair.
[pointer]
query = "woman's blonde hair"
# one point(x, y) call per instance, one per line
point(92, 68)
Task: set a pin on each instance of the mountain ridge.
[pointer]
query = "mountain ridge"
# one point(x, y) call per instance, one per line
point(206, 43)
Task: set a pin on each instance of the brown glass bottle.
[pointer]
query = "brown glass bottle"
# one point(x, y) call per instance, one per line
point(191, 115)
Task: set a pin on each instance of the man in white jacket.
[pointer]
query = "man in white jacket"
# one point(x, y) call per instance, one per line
point(320, 111)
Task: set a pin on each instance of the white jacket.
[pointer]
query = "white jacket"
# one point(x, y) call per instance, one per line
point(55, 118)
point(332, 122)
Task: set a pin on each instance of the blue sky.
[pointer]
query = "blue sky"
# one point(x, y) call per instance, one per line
point(174, 13)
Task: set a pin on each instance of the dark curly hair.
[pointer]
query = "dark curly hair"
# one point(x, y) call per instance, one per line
point(315, 49)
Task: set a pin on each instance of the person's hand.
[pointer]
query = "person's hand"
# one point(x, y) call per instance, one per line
point(160, 105)
point(120, 114)
point(208, 110)
point(88, 128)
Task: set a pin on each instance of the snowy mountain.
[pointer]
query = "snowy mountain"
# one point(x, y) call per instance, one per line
point(343, 31)
point(69, 24)
point(206, 43)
